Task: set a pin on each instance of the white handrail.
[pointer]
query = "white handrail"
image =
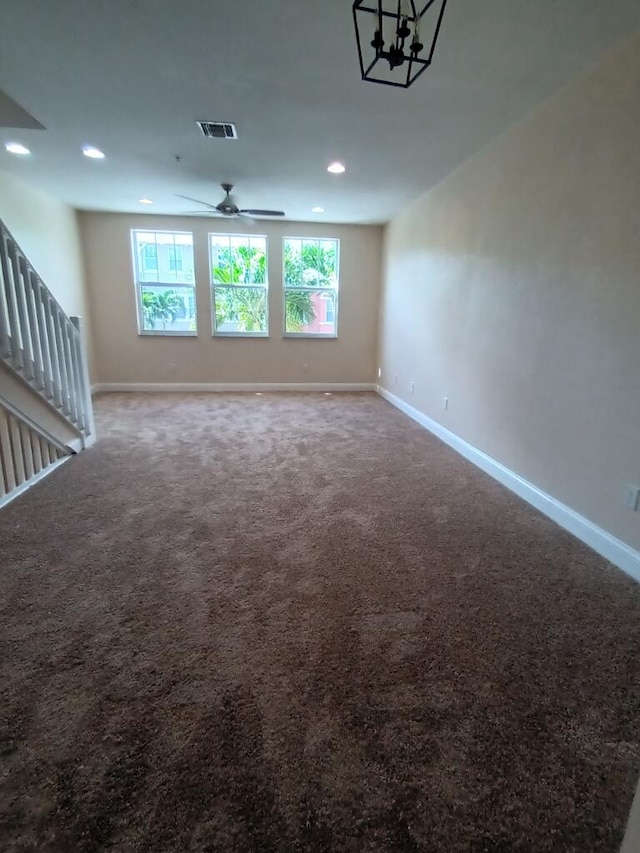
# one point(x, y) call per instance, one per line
point(39, 342)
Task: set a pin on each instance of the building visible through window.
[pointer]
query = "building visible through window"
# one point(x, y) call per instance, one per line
point(149, 256)
point(311, 276)
point(175, 258)
point(329, 311)
point(165, 282)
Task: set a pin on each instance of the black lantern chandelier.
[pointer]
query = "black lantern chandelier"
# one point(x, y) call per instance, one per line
point(396, 38)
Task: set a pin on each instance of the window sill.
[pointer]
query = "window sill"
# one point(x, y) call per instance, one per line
point(264, 335)
point(314, 336)
point(166, 333)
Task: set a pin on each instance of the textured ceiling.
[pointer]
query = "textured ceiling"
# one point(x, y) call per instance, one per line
point(132, 76)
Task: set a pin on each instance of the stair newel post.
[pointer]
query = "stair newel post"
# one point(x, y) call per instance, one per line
point(89, 431)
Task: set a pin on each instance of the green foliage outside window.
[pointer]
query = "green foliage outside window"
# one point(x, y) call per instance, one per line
point(244, 306)
point(313, 266)
point(307, 264)
point(160, 308)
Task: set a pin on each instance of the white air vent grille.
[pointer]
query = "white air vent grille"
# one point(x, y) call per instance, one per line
point(218, 129)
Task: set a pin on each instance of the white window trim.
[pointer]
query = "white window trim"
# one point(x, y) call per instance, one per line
point(213, 285)
point(336, 290)
point(138, 285)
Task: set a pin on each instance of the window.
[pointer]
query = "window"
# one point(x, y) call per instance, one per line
point(329, 310)
point(175, 258)
point(239, 284)
point(311, 287)
point(165, 282)
point(150, 257)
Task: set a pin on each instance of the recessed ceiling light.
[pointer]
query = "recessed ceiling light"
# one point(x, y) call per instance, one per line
point(336, 168)
point(16, 148)
point(145, 201)
point(317, 210)
point(93, 153)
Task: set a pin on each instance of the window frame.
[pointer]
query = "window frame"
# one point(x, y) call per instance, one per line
point(212, 284)
point(138, 285)
point(311, 335)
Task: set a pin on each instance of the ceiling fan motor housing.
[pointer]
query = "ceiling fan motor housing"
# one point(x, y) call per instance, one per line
point(226, 206)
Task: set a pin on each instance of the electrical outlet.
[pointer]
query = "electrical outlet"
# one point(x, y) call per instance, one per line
point(445, 403)
point(412, 387)
point(633, 497)
point(396, 380)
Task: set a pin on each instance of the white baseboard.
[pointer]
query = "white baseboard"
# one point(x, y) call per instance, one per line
point(24, 487)
point(604, 543)
point(250, 387)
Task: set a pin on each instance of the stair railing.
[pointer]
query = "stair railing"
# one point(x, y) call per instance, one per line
point(27, 452)
point(39, 342)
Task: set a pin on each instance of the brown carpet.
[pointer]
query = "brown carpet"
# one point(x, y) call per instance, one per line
point(301, 623)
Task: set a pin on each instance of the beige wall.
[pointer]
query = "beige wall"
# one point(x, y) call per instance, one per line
point(123, 356)
point(513, 288)
point(47, 231)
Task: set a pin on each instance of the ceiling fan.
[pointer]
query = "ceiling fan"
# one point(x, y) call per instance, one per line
point(228, 207)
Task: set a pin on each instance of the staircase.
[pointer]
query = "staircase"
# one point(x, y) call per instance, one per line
point(27, 452)
point(46, 413)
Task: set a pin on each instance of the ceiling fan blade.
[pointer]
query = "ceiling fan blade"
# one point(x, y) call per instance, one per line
point(198, 201)
point(263, 212)
point(199, 213)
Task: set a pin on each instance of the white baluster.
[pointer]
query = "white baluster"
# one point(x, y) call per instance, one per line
point(44, 451)
point(41, 302)
point(5, 454)
point(27, 451)
point(87, 404)
point(12, 307)
point(50, 310)
point(5, 345)
point(16, 446)
point(36, 450)
point(58, 322)
point(34, 331)
point(78, 384)
point(19, 284)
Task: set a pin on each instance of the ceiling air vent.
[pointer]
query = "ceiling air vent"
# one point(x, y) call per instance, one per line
point(218, 129)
